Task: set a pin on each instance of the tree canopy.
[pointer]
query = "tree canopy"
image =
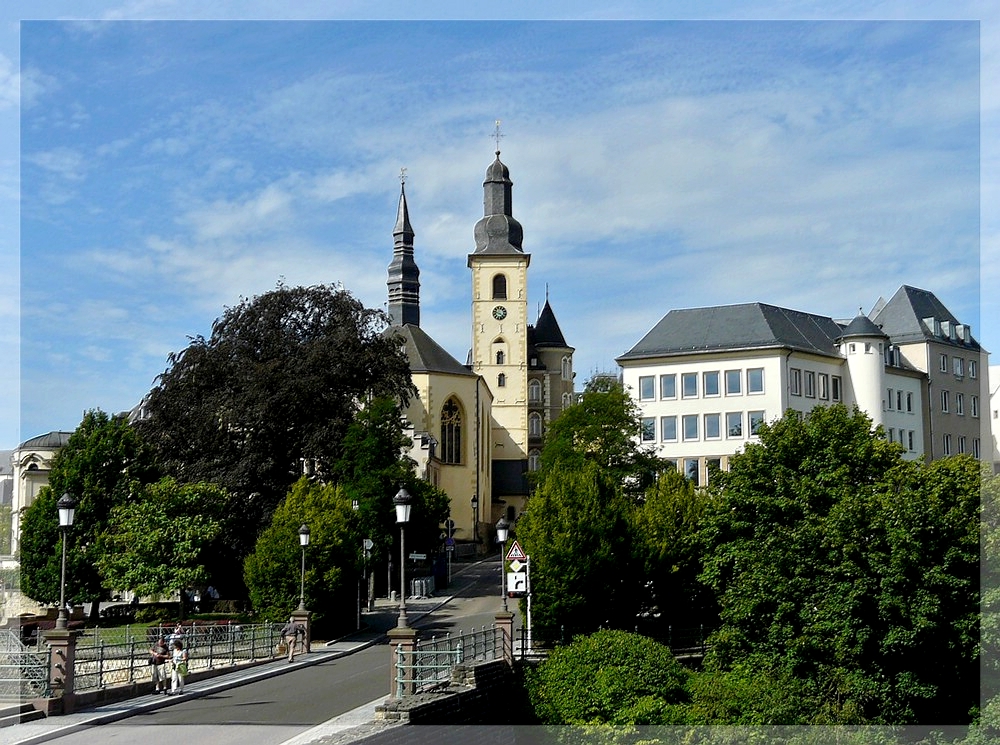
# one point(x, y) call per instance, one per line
point(276, 385)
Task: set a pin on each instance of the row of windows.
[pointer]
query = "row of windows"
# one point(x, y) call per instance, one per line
point(814, 385)
point(946, 445)
point(959, 404)
point(691, 468)
point(958, 366)
point(702, 427)
point(711, 383)
point(904, 437)
point(899, 401)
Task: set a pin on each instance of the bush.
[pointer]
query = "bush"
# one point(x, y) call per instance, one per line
point(609, 677)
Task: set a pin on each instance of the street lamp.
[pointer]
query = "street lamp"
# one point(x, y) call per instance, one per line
point(502, 528)
point(475, 517)
point(403, 503)
point(67, 507)
point(303, 541)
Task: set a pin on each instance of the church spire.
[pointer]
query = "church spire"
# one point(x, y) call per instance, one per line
point(498, 232)
point(404, 276)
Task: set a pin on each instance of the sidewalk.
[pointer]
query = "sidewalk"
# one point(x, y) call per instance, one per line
point(377, 623)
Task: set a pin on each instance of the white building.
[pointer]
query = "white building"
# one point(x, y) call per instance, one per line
point(705, 378)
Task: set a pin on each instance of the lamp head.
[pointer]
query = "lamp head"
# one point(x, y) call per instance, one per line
point(304, 535)
point(67, 509)
point(403, 504)
point(502, 528)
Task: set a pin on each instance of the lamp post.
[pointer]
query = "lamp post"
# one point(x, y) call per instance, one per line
point(303, 541)
point(502, 528)
point(475, 518)
point(403, 503)
point(67, 507)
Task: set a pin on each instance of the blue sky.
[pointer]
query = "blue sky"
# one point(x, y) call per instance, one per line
point(174, 159)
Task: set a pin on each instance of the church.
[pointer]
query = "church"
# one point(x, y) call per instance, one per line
point(477, 427)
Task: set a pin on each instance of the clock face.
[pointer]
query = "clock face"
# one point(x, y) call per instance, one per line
point(499, 312)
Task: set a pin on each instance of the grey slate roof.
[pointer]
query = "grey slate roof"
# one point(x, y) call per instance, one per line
point(901, 317)
point(737, 327)
point(546, 331)
point(425, 354)
point(862, 325)
point(48, 440)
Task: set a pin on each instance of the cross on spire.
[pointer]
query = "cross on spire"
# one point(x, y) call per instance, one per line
point(497, 136)
point(402, 175)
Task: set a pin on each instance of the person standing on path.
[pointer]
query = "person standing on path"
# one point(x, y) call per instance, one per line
point(180, 663)
point(158, 656)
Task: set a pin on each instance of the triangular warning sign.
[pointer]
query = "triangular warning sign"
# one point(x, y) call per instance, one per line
point(516, 553)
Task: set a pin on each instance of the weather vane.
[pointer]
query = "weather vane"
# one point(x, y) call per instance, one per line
point(497, 136)
point(402, 175)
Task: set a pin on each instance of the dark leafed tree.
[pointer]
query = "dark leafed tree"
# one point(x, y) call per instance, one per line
point(274, 387)
point(100, 466)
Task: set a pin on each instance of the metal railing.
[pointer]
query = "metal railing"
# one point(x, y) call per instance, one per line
point(102, 661)
point(24, 672)
point(431, 661)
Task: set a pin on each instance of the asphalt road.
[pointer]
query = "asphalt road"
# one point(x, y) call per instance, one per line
point(274, 710)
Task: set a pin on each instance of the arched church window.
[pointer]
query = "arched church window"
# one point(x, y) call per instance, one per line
point(500, 287)
point(534, 391)
point(501, 380)
point(534, 460)
point(451, 432)
point(534, 425)
point(499, 356)
point(567, 368)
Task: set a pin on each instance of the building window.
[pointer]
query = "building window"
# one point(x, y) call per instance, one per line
point(975, 448)
point(501, 380)
point(734, 424)
point(535, 425)
point(899, 400)
point(959, 366)
point(500, 357)
point(689, 385)
point(534, 460)
point(972, 368)
point(668, 386)
point(690, 422)
point(648, 429)
point(646, 391)
point(909, 440)
point(710, 381)
point(960, 404)
point(947, 444)
point(500, 287)
point(534, 390)
point(889, 399)
point(824, 387)
point(451, 432)
point(668, 428)
point(755, 380)
point(974, 406)
point(734, 382)
point(890, 434)
point(756, 419)
point(945, 401)
point(961, 444)
point(567, 368)
point(795, 381)
point(691, 470)
point(713, 426)
point(835, 388)
point(810, 387)
point(567, 400)
point(943, 366)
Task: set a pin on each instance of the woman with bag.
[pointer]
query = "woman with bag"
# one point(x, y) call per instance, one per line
point(180, 660)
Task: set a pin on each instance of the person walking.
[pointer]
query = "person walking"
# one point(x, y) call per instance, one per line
point(291, 632)
point(180, 671)
point(158, 656)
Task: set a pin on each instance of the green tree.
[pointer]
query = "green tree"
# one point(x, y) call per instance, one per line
point(576, 531)
point(277, 385)
point(100, 466)
point(161, 543)
point(608, 677)
point(844, 566)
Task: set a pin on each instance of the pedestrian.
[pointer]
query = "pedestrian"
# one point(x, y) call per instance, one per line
point(291, 632)
point(180, 671)
point(158, 656)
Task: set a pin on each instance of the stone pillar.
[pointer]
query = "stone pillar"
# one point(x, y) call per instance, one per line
point(405, 638)
point(505, 622)
point(300, 615)
point(62, 643)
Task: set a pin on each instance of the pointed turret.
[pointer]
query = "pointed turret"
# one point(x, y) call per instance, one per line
point(404, 276)
point(498, 232)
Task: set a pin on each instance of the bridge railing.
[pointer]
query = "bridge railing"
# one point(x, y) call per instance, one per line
point(431, 661)
point(24, 671)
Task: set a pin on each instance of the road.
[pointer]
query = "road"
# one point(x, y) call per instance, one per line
point(274, 710)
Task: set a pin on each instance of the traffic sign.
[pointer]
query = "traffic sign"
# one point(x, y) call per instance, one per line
point(516, 552)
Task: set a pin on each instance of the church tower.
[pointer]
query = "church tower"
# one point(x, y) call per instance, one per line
point(404, 276)
point(500, 328)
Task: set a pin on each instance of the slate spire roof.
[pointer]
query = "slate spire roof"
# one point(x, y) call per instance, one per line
point(498, 232)
point(404, 275)
point(546, 331)
point(862, 325)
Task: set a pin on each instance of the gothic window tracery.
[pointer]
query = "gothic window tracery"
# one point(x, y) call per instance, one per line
point(451, 432)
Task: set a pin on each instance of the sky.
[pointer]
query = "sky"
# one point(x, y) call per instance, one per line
point(160, 161)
